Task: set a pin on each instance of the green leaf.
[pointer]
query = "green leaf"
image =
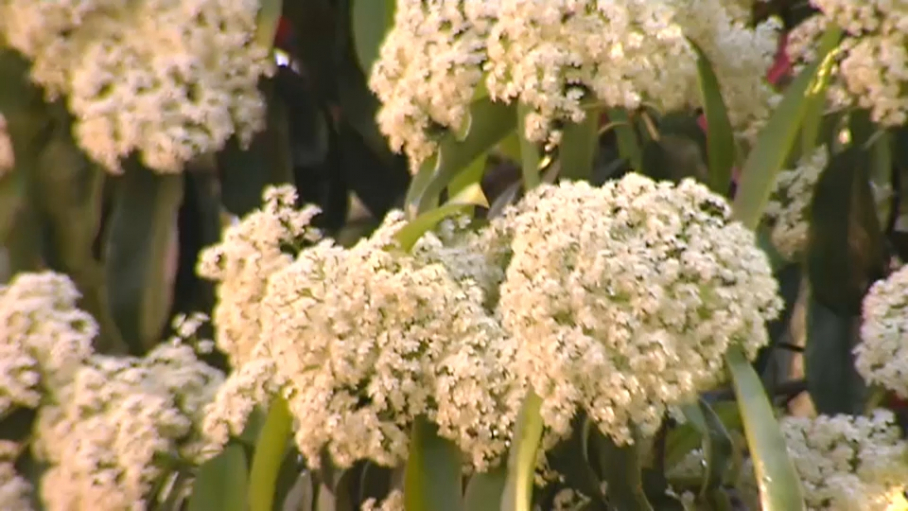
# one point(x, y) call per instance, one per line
point(622, 469)
point(816, 101)
point(628, 143)
point(846, 249)
point(432, 478)
point(269, 455)
point(530, 155)
point(221, 482)
point(777, 138)
point(246, 172)
point(485, 490)
point(518, 491)
point(409, 234)
point(720, 135)
point(266, 22)
point(570, 458)
point(833, 382)
point(673, 158)
point(371, 21)
point(490, 122)
point(684, 438)
point(777, 479)
point(717, 444)
point(577, 150)
point(141, 238)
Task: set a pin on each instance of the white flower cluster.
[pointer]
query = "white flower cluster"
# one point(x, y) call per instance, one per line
point(872, 65)
point(625, 298)
point(882, 356)
point(44, 338)
point(788, 211)
point(109, 437)
point(368, 339)
point(849, 463)
point(15, 491)
point(393, 502)
point(554, 56)
point(169, 79)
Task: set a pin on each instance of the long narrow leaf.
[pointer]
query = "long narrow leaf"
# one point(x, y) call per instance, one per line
point(716, 442)
point(776, 140)
point(628, 144)
point(780, 486)
point(410, 233)
point(485, 489)
point(518, 492)
point(577, 151)
point(530, 156)
point(221, 482)
point(816, 102)
point(432, 478)
point(269, 454)
point(720, 144)
point(621, 467)
point(370, 22)
point(268, 18)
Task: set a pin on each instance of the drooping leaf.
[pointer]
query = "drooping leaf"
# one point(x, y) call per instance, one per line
point(408, 235)
point(577, 150)
point(686, 437)
point(268, 457)
point(485, 489)
point(777, 479)
point(721, 138)
point(490, 123)
point(432, 478)
point(628, 143)
point(221, 482)
point(371, 21)
point(716, 444)
point(846, 248)
point(811, 128)
point(777, 138)
point(571, 459)
point(833, 382)
point(621, 467)
point(673, 158)
point(518, 491)
point(140, 254)
point(266, 22)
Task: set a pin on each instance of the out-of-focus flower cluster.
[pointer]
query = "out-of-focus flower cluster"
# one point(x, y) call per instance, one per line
point(882, 356)
point(872, 61)
point(849, 463)
point(554, 57)
point(168, 79)
point(44, 338)
point(625, 298)
point(120, 425)
point(788, 211)
point(15, 491)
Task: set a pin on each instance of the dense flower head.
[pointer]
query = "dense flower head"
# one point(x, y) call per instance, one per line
point(15, 491)
point(105, 438)
point(882, 356)
point(871, 70)
point(788, 211)
point(249, 252)
point(369, 338)
point(849, 463)
point(555, 57)
point(625, 298)
point(169, 79)
point(44, 337)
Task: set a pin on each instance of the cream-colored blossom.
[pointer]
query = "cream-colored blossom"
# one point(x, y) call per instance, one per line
point(249, 252)
point(15, 490)
point(882, 356)
point(393, 502)
point(113, 427)
point(871, 70)
point(44, 337)
point(555, 56)
point(169, 79)
point(369, 338)
point(849, 463)
point(788, 211)
point(625, 298)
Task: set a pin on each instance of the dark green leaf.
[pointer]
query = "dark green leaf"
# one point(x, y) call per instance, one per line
point(577, 150)
point(673, 158)
point(485, 489)
point(833, 383)
point(570, 458)
point(432, 479)
point(779, 483)
point(778, 137)
point(716, 443)
point(380, 185)
point(269, 454)
point(628, 144)
point(374, 482)
point(221, 482)
point(518, 492)
point(721, 137)
point(245, 173)
point(372, 19)
point(621, 467)
point(816, 102)
point(292, 481)
point(140, 244)
point(490, 122)
point(846, 248)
